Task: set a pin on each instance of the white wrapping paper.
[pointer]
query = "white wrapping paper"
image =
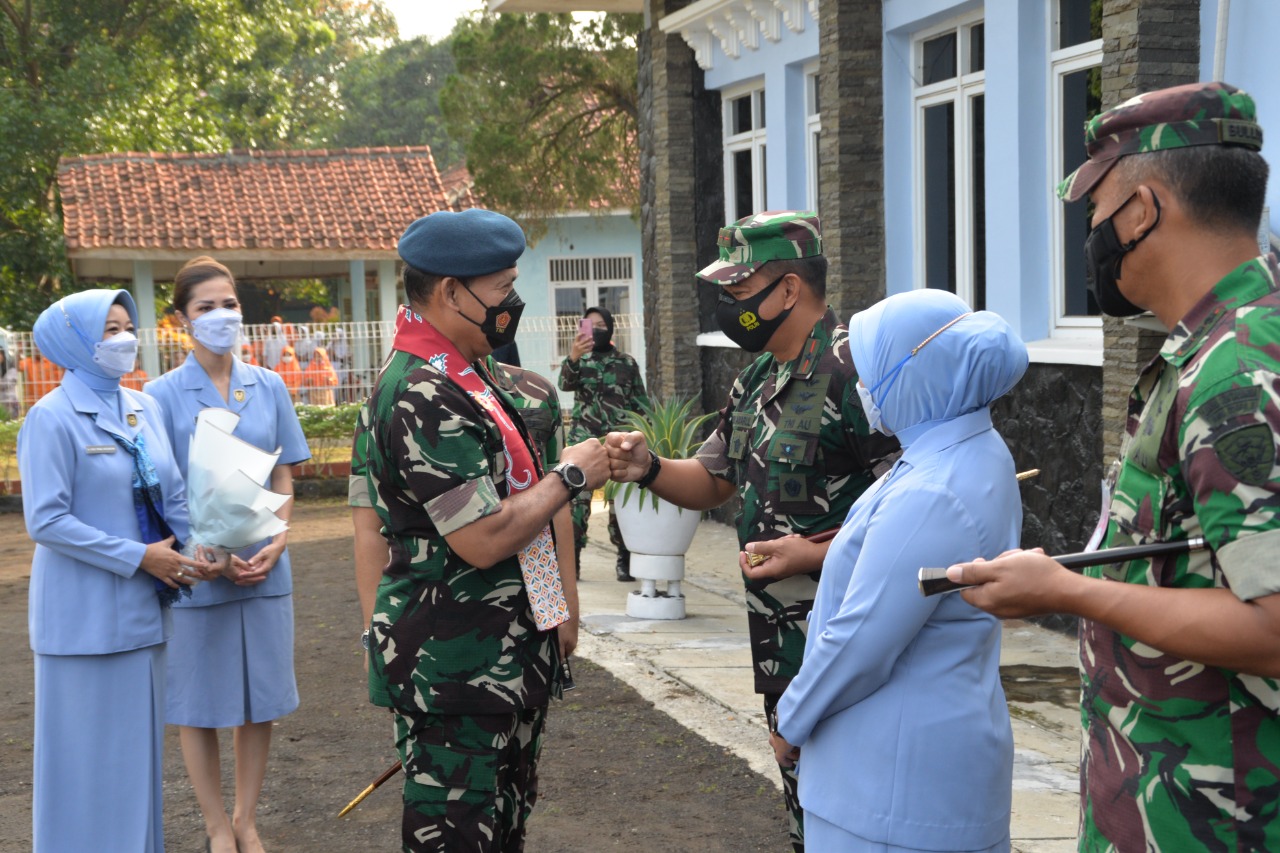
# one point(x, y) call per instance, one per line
point(228, 505)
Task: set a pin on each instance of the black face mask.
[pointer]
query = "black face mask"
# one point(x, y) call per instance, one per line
point(740, 319)
point(501, 320)
point(601, 340)
point(1103, 254)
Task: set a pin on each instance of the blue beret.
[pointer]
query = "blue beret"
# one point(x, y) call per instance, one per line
point(473, 242)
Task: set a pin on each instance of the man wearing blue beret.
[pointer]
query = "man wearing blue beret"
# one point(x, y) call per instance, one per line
point(463, 641)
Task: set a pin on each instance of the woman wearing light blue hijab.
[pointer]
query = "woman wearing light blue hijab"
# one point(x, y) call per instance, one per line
point(897, 716)
point(104, 503)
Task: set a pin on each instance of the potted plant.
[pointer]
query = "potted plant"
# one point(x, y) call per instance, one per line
point(657, 532)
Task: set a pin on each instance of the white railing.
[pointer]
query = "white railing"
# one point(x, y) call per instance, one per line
point(354, 352)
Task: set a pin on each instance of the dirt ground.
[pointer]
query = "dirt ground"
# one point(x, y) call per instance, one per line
point(616, 773)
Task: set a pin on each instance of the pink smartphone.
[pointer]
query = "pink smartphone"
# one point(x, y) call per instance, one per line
point(585, 328)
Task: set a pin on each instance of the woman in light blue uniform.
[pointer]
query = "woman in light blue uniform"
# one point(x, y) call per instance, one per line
point(898, 713)
point(103, 500)
point(231, 660)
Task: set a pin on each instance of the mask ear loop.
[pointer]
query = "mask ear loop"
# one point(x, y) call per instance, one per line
point(1126, 248)
point(892, 376)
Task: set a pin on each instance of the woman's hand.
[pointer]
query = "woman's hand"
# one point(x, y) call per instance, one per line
point(240, 573)
point(785, 754)
point(255, 570)
point(567, 636)
point(171, 567)
point(581, 346)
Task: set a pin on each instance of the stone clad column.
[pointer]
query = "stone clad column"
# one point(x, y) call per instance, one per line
point(1146, 44)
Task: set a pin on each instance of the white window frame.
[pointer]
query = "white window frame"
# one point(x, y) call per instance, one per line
point(812, 132)
point(960, 90)
point(753, 140)
point(1062, 62)
point(566, 329)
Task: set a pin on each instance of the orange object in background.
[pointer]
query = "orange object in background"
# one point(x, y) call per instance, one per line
point(320, 379)
point(39, 377)
point(134, 379)
point(290, 373)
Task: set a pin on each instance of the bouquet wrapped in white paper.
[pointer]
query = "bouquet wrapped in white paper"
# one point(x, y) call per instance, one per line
point(228, 505)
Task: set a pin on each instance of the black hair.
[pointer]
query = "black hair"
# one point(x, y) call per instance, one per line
point(1223, 187)
point(812, 271)
point(419, 286)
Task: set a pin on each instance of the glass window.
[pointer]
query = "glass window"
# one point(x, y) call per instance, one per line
point(1081, 101)
point(939, 59)
point(813, 130)
point(740, 114)
point(743, 187)
point(1079, 21)
point(581, 283)
point(978, 216)
point(940, 196)
point(744, 154)
point(977, 48)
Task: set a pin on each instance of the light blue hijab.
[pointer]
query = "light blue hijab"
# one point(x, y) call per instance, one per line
point(966, 367)
point(67, 330)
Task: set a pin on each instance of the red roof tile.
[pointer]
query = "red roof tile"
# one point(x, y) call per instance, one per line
point(356, 198)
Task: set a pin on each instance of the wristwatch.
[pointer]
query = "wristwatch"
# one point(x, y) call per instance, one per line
point(572, 477)
point(364, 640)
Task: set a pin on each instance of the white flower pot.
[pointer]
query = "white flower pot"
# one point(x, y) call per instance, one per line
point(658, 540)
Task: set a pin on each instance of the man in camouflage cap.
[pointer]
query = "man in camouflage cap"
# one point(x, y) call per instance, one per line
point(1180, 655)
point(792, 441)
point(459, 647)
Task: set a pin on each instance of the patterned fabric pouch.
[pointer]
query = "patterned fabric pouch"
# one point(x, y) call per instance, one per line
point(542, 581)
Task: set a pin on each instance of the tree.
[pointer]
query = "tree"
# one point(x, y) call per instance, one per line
point(84, 76)
point(391, 97)
point(547, 111)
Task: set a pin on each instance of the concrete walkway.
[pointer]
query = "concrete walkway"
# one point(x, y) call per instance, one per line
point(698, 670)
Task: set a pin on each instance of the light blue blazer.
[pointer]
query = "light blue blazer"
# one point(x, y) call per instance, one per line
point(267, 421)
point(898, 709)
point(88, 595)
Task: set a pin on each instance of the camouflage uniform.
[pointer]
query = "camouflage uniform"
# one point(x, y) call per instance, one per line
point(1178, 755)
point(606, 386)
point(795, 442)
point(454, 650)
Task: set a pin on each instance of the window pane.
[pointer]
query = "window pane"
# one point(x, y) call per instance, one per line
point(764, 180)
point(1079, 21)
point(939, 59)
point(760, 110)
point(977, 48)
point(571, 301)
point(940, 197)
point(1081, 101)
point(740, 115)
point(616, 299)
point(816, 186)
point(815, 105)
point(741, 192)
point(979, 211)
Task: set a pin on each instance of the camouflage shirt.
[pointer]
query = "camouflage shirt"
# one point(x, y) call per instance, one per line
point(795, 442)
point(1179, 755)
point(446, 637)
point(606, 386)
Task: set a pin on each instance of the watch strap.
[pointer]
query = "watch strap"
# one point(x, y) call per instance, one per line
point(655, 465)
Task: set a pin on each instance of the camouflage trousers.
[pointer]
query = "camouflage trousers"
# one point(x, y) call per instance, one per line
point(790, 787)
point(470, 781)
point(581, 512)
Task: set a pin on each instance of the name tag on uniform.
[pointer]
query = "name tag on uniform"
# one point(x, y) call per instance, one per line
point(95, 449)
point(742, 422)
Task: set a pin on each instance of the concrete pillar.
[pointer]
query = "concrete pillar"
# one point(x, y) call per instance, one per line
point(1146, 44)
point(144, 294)
point(851, 153)
point(359, 314)
point(388, 300)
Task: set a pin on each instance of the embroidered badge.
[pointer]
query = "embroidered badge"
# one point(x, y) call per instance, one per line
point(1247, 452)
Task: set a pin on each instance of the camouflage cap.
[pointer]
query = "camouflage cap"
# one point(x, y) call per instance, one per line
point(1194, 114)
point(775, 235)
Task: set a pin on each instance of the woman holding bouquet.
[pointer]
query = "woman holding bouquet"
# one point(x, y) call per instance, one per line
point(104, 502)
point(231, 663)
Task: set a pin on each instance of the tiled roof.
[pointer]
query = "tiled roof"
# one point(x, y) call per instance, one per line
point(457, 186)
point(355, 198)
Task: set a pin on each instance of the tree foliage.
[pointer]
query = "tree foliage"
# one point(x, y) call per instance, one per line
point(547, 111)
point(391, 97)
point(85, 76)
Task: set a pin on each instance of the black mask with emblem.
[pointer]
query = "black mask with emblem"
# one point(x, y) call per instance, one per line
point(740, 319)
point(501, 320)
point(1103, 255)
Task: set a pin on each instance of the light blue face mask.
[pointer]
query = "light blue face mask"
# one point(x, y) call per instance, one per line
point(867, 395)
point(218, 330)
point(117, 354)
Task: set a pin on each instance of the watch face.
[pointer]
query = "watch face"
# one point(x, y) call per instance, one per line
point(574, 477)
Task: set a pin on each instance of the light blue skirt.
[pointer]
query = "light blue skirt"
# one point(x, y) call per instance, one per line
point(232, 663)
point(820, 835)
point(99, 742)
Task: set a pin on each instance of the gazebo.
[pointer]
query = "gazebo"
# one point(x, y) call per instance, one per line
point(137, 217)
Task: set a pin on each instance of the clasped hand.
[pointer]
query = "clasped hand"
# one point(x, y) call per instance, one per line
point(628, 456)
point(173, 568)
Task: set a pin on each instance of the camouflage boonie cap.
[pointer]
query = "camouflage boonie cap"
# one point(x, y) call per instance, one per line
point(1195, 114)
point(775, 235)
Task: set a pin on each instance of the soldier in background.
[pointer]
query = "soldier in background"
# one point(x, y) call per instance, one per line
point(792, 441)
point(607, 385)
point(455, 648)
point(1180, 655)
